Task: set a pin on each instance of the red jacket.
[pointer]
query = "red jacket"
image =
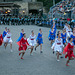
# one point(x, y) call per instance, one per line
point(23, 44)
point(70, 47)
point(1, 39)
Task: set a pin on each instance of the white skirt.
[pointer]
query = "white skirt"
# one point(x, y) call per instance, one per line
point(57, 48)
point(69, 34)
point(31, 42)
point(8, 40)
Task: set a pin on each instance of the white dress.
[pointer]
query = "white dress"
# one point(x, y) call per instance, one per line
point(65, 27)
point(58, 45)
point(69, 32)
point(32, 40)
point(7, 38)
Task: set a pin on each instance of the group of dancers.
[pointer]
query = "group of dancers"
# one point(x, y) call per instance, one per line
point(6, 38)
point(63, 43)
point(22, 41)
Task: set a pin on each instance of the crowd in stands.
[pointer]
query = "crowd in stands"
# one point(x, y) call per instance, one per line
point(62, 12)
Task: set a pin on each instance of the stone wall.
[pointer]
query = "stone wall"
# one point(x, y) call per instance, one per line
point(45, 11)
point(35, 5)
point(27, 5)
point(24, 7)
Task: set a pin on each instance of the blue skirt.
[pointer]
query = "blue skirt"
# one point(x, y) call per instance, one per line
point(40, 41)
point(52, 38)
point(64, 41)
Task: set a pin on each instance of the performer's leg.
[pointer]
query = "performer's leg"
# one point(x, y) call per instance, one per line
point(11, 46)
point(57, 56)
point(31, 49)
point(22, 54)
point(6, 45)
point(53, 49)
point(64, 44)
point(67, 62)
point(61, 55)
point(36, 46)
point(51, 42)
point(41, 48)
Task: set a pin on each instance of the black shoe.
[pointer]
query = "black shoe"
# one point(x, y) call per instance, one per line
point(61, 57)
point(53, 52)
point(41, 51)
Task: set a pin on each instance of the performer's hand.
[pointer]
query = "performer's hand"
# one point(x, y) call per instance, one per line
point(21, 46)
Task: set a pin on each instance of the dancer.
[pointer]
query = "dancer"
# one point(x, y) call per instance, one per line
point(5, 32)
point(54, 27)
point(57, 46)
point(73, 36)
point(7, 39)
point(69, 32)
point(63, 40)
point(1, 39)
point(66, 26)
point(21, 35)
point(69, 50)
point(32, 41)
point(63, 36)
point(59, 32)
point(52, 36)
point(23, 45)
point(39, 40)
